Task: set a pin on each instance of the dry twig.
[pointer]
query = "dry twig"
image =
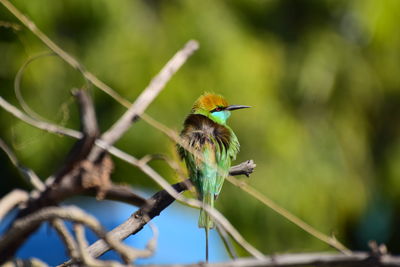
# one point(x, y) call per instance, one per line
point(66, 237)
point(85, 258)
point(29, 175)
point(48, 127)
point(11, 200)
point(227, 242)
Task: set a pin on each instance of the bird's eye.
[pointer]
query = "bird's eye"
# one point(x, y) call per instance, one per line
point(217, 109)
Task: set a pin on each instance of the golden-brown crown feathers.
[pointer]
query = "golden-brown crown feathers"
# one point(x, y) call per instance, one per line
point(209, 101)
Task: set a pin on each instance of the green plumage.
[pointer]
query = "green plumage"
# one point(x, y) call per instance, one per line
point(216, 145)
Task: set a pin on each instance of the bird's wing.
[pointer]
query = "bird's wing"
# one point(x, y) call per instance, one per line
point(228, 153)
point(208, 139)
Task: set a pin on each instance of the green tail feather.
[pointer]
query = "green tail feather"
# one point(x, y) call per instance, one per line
point(205, 220)
point(206, 231)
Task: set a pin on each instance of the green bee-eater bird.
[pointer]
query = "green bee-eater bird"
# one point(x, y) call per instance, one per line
point(206, 132)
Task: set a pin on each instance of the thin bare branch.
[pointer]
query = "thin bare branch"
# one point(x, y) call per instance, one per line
point(10, 25)
point(90, 132)
point(29, 175)
point(48, 127)
point(120, 193)
point(227, 242)
point(86, 259)
point(173, 164)
point(12, 199)
point(152, 244)
point(245, 168)
point(82, 245)
point(25, 262)
point(17, 84)
point(67, 238)
point(87, 113)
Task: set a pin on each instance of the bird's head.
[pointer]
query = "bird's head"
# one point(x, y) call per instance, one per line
point(214, 107)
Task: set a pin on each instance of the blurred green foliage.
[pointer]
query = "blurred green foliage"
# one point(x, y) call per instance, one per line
point(322, 77)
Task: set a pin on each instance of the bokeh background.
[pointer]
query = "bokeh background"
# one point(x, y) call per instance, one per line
point(322, 77)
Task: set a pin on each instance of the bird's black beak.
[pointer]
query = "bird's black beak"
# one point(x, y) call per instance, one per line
point(233, 107)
